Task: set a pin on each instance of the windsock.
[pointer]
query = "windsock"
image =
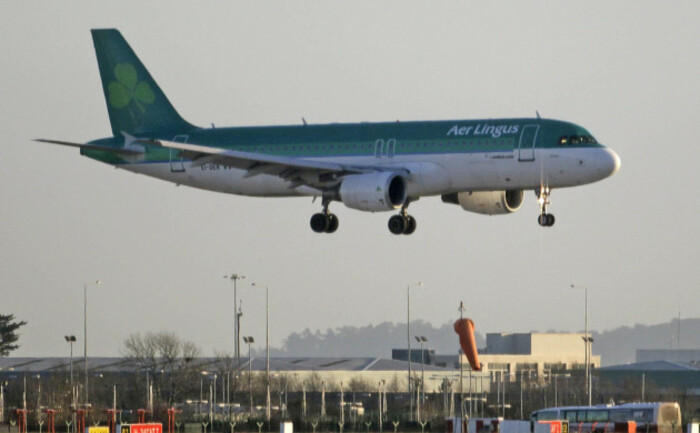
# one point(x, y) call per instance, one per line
point(465, 329)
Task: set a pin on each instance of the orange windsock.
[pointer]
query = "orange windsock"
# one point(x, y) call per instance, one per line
point(465, 329)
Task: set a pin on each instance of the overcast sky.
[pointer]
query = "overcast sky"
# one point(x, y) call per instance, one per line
point(628, 71)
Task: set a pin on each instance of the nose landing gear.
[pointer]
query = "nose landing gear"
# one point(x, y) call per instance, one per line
point(324, 222)
point(403, 223)
point(544, 219)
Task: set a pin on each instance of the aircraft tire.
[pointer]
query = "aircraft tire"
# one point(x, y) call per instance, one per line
point(397, 224)
point(411, 225)
point(319, 222)
point(546, 220)
point(550, 220)
point(333, 223)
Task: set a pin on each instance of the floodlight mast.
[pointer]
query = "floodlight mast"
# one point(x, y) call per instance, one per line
point(85, 286)
point(71, 339)
point(236, 330)
point(586, 340)
point(408, 338)
point(267, 346)
point(250, 340)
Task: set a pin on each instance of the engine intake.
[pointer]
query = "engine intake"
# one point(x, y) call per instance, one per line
point(373, 192)
point(487, 202)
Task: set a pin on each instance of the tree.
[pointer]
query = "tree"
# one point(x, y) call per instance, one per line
point(8, 334)
point(168, 360)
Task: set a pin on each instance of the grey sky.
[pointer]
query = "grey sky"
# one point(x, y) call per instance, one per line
point(628, 71)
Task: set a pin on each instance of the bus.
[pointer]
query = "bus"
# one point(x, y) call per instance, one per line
point(662, 417)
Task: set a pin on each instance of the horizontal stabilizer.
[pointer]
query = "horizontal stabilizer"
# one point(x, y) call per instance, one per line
point(117, 150)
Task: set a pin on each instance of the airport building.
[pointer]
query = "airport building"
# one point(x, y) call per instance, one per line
point(506, 357)
point(683, 356)
point(658, 377)
point(362, 373)
point(510, 356)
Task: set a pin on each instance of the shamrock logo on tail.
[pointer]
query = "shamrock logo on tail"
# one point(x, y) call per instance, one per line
point(128, 89)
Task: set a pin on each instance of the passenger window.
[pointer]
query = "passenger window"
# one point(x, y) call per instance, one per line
point(563, 141)
point(620, 415)
point(570, 415)
point(597, 416)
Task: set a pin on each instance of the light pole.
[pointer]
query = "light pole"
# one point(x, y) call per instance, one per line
point(586, 341)
point(267, 348)
point(408, 337)
point(85, 286)
point(421, 339)
point(249, 341)
point(236, 328)
point(71, 339)
point(381, 406)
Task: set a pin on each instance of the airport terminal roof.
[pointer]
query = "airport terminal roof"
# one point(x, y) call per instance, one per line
point(652, 366)
point(118, 364)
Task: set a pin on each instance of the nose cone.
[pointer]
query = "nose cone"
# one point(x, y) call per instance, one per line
point(608, 162)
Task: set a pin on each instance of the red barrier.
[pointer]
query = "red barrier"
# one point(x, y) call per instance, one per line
point(21, 420)
point(141, 415)
point(50, 420)
point(80, 420)
point(171, 419)
point(465, 329)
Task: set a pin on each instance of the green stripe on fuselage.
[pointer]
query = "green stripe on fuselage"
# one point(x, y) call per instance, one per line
point(360, 139)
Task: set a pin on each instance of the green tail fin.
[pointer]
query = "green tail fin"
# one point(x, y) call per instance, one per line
point(135, 103)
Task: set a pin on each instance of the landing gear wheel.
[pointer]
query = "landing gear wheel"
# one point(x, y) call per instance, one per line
point(333, 223)
point(320, 222)
point(550, 220)
point(397, 224)
point(546, 220)
point(410, 225)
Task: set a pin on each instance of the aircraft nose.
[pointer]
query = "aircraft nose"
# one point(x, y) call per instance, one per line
point(608, 162)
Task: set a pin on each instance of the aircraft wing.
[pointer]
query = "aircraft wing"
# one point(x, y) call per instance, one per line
point(299, 171)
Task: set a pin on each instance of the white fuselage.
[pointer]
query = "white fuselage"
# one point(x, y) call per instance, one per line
point(431, 174)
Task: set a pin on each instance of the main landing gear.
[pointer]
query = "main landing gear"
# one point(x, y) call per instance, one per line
point(403, 223)
point(545, 219)
point(324, 222)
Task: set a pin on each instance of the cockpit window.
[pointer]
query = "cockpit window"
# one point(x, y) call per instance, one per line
point(576, 139)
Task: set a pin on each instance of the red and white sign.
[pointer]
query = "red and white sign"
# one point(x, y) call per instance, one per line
point(147, 428)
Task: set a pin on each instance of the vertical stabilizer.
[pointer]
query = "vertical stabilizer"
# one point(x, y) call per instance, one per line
point(135, 103)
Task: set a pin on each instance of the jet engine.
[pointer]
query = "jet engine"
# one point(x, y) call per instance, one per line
point(373, 192)
point(487, 202)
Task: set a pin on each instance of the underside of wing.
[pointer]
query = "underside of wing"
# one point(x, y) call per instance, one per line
point(298, 171)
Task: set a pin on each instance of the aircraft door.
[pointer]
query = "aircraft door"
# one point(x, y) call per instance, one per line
point(176, 163)
point(528, 139)
point(382, 148)
point(378, 148)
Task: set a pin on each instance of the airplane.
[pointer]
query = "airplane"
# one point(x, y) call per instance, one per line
point(484, 166)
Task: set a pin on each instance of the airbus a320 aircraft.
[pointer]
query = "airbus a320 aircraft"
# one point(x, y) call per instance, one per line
point(481, 165)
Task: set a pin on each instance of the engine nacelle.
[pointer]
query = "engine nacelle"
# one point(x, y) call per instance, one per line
point(373, 192)
point(487, 202)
